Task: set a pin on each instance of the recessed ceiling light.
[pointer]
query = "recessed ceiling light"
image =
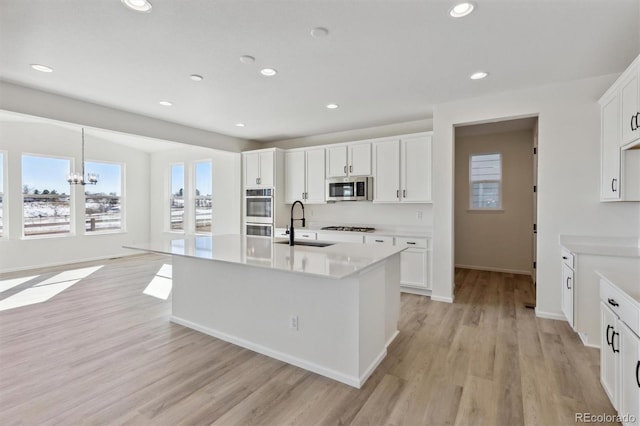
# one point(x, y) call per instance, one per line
point(196, 77)
point(319, 32)
point(478, 75)
point(138, 5)
point(240, 124)
point(332, 106)
point(41, 68)
point(268, 72)
point(165, 103)
point(461, 9)
point(247, 59)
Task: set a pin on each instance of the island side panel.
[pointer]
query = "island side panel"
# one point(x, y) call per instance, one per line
point(392, 300)
point(252, 307)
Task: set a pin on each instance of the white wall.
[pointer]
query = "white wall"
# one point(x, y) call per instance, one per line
point(500, 240)
point(568, 180)
point(48, 105)
point(17, 252)
point(364, 213)
point(226, 189)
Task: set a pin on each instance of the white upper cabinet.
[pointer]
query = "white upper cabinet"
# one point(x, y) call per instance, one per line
point(304, 176)
point(402, 170)
point(630, 110)
point(259, 168)
point(610, 150)
point(349, 160)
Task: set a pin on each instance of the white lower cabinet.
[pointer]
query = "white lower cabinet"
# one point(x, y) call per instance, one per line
point(620, 352)
point(414, 263)
point(567, 292)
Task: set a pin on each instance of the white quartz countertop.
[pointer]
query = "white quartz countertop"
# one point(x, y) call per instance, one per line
point(601, 246)
point(336, 261)
point(626, 279)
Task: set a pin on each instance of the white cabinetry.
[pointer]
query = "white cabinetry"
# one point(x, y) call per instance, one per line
point(620, 351)
point(620, 138)
point(567, 293)
point(349, 160)
point(304, 176)
point(402, 170)
point(340, 237)
point(414, 263)
point(259, 168)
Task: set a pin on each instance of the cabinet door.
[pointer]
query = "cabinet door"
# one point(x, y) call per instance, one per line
point(413, 267)
point(386, 178)
point(360, 159)
point(294, 176)
point(337, 161)
point(567, 293)
point(266, 169)
point(629, 399)
point(251, 169)
point(610, 147)
point(315, 176)
point(415, 169)
point(608, 357)
point(629, 109)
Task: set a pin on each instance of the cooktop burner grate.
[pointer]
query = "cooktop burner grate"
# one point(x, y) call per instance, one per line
point(349, 228)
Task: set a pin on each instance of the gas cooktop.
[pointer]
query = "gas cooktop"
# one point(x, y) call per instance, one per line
point(349, 228)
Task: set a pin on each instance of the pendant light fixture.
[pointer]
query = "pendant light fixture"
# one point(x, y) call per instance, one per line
point(77, 178)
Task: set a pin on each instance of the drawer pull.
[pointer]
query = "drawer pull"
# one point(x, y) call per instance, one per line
point(565, 257)
point(613, 346)
point(379, 241)
point(612, 302)
point(638, 373)
point(568, 286)
point(608, 328)
point(411, 242)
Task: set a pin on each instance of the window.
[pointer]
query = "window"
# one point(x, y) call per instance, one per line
point(485, 180)
point(203, 196)
point(176, 217)
point(46, 204)
point(103, 201)
point(1, 193)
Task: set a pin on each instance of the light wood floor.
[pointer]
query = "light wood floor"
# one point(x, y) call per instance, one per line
point(102, 352)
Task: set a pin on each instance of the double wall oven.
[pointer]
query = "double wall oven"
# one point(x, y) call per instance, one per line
point(258, 211)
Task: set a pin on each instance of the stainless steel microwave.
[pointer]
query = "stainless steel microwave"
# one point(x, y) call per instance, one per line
point(350, 189)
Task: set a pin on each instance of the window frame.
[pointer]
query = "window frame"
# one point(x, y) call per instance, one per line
point(169, 192)
point(471, 207)
point(72, 200)
point(195, 196)
point(123, 204)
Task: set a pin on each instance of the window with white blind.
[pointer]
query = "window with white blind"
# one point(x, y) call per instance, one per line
point(485, 181)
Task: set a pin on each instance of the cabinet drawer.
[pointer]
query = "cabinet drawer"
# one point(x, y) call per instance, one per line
point(280, 233)
point(412, 242)
point(617, 301)
point(378, 239)
point(340, 237)
point(567, 258)
point(302, 235)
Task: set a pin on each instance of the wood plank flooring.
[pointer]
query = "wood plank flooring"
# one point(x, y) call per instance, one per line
point(102, 352)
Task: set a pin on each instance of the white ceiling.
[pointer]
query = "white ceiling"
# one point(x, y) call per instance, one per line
point(384, 61)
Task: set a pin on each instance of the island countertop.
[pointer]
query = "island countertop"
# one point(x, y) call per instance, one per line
point(339, 260)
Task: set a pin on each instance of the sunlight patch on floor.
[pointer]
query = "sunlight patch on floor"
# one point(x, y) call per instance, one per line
point(160, 285)
point(9, 284)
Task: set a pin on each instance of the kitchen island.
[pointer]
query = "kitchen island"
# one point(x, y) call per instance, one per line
point(332, 310)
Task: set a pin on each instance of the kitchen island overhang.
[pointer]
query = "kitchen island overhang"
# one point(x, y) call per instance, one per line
point(331, 310)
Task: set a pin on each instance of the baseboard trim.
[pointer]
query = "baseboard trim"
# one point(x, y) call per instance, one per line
point(442, 299)
point(71, 262)
point(392, 339)
point(415, 290)
point(550, 315)
point(354, 381)
point(492, 269)
point(585, 341)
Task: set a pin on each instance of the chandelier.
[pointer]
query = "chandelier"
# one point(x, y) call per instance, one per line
point(79, 178)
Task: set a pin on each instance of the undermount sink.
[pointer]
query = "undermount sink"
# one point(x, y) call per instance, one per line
point(308, 243)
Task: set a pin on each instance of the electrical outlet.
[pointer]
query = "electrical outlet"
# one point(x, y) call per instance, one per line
point(293, 322)
point(419, 215)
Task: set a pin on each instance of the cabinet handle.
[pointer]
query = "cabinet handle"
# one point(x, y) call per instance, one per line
point(612, 302)
point(351, 168)
point(636, 119)
point(568, 279)
point(638, 373)
point(613, 346)
point(614, 188)
point(633, 117)
point(608, 328)
point(565, 257)
point(404, 193)
point(411, 242)
point(345, 169)
point(379, 241)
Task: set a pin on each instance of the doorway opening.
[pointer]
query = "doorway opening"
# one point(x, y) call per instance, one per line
point(495, 200)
